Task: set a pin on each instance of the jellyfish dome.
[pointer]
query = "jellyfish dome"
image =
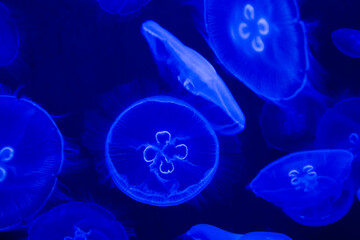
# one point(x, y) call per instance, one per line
point(197, 76)
point(31, 155)
point(9, 37)
point(161, 151)
point(347, 41)
point(75, 221)
point(261, 42)
point(122, 7)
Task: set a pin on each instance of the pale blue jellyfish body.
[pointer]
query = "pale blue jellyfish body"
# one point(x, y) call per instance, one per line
point(122, 7)
point(261, 42)
point(9, 37)
point(161, 151)
point(195, 74)
point(31, 155)
point(209, 232)
point(347, 41)
point(77, 221)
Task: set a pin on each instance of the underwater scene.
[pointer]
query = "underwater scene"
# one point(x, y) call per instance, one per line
point(179, 119)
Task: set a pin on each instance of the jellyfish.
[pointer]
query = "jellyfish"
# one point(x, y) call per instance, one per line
point(161, 151)
point(197, 76)
point(9, 37)
point(209, 232)
point(31, 156)
point(122, 7)
point(77, 220)
point(260, 42)
point(347, 41)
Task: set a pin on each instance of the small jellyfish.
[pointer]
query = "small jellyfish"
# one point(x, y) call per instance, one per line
point(197, 76)
point(161, 151)
point(31, 155)
point(209, 232)
point(347, 41)
point(122, 7)
point(9, 37)
point(304, 179)
point(261, 42)
point(77, 221)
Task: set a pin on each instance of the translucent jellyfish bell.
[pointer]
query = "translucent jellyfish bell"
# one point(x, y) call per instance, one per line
point(75, 221)
point(197, 76)
point(31, 155)
point(9, 37)
point(261, 42)
point(161, 151)
point(347, 41)
point(122, 7)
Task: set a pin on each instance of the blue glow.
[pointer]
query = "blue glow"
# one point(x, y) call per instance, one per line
point(9, 37)
point(75, 221)
point(197, 76)
point(31, 156)
point(347, 41)
point(122, 7)
point(261, 43)
point(161, 151)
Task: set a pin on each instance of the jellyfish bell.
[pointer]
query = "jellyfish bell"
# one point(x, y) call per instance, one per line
point(9, 37)
point(161, 151)
point(197, 76)
point(77, 220)
point(122, 7)
point(304, 179)
point(262, 43)
point(31, 156)
point(347, 41)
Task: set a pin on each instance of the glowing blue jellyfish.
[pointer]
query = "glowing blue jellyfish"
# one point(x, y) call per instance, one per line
point(347, 41)
point(122, 7)
point(31, 155)
point(194, 73)
point(77, 221)
point(261, 42)
point(161, 151)
point(209, 232)
point(311, 185)
point(9, 37)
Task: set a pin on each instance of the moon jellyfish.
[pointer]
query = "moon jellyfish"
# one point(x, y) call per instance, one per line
point(75, 221)
point(122, 7)
point(261, 42)
point(9, 37)
point(161, 151)
point(195, 74)
point(31, 155)
point(347, 41)
point(209, 232)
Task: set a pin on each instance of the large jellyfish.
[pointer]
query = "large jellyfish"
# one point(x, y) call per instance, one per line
point(209, 232)
point(194, 73)
point(261, 42)
point(161, 151)
point(347, 41)
point(9, 37)
point(31, 155)
point(311, 187)
point(75, 221)
point(122, 7)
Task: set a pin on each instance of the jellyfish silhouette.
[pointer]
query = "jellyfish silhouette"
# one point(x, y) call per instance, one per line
point(347, 41)
point(260, 42)
point(194, 73)
point(161, 151)
point(122, 7)
point(209, 232)
point(77, 220)
point(308, 181)
point(31, 155)
point(9, 37)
